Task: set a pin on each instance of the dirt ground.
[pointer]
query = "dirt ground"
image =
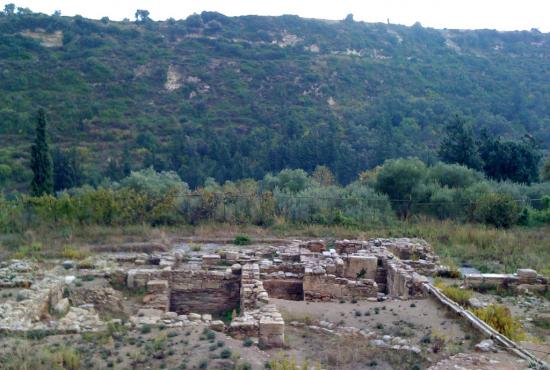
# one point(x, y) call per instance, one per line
point(159, 348)
point(421, 323)
point(532, 311)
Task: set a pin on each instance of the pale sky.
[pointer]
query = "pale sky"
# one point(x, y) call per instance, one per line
point(494, 14)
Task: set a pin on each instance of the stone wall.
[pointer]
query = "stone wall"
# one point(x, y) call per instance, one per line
point(204, 291)
point(253, 294)
point(403, 282)
point(354, 265)
point(258, 318)
point(320, 286)
point(158, 295)
point(138, 278)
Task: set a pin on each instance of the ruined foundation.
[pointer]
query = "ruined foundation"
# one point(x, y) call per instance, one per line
point(180, 287)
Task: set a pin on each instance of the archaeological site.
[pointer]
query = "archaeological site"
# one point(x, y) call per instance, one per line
point(332, 303)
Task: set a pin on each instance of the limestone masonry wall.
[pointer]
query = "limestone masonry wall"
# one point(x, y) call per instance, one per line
point(204, 291)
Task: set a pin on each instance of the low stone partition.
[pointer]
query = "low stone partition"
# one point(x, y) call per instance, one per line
point(258, 318)
point(253, 294)
point(403, 282)
point(272, 327)
point(319, 286)
point(138, 278)
point(158, 293)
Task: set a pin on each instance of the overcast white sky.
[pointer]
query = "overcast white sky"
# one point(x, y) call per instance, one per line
point(497, 14)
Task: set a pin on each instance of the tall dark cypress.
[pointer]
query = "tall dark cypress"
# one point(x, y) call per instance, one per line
point(41, 160)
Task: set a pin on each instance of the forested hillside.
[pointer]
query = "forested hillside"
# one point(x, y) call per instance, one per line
point(236, 97)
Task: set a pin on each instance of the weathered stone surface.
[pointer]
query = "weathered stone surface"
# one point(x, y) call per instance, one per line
point(325, 287)
point(138, 278)
point(159, 293)
point(357, 264)
point(104, 299)
point(62, 307)
point(316, 246)
point(204, 291)
point(486, 345)
point(527, 276)
point(217, 325)
point(211, 259)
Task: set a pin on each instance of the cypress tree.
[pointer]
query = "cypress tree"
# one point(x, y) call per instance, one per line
point(41, 160)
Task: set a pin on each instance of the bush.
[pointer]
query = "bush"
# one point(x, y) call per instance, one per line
point(500, 319)
point(242, 240)
point(454, 175)
point(68, 358)
point(73, 253)
point(225, 353)
point(399, 178)
point(499, 210)
point(5, 173)
point(288, 364)
point(210, 335)
point(248, 342)
point(292, 181)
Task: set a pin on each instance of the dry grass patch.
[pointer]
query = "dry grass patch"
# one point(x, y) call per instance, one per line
point(500, 318)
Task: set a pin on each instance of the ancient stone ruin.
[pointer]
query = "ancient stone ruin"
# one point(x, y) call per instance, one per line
point(190, 285)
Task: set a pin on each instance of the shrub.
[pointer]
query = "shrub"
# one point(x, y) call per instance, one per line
point(289, 364)
point(210, 335)
point(500, 318)
point(454, 175)
point(244, 366)
point(399, 178)
point(145, 329)
point(248, 342)
point(293, 181)
point(225, 353)
point(32, 251)
point(196, 248)
point(68, 358)
point(242, 240)
point(73, 253)
point(499, 210)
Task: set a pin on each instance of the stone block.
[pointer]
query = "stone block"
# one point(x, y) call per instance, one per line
point(62, 307)
point(527, 276)
point(356, 264)
point(210, 259)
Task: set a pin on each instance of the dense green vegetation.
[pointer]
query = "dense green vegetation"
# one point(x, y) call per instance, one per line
point(239, 97)
point(41, 160)
point(279, 122)
point(401, 189)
